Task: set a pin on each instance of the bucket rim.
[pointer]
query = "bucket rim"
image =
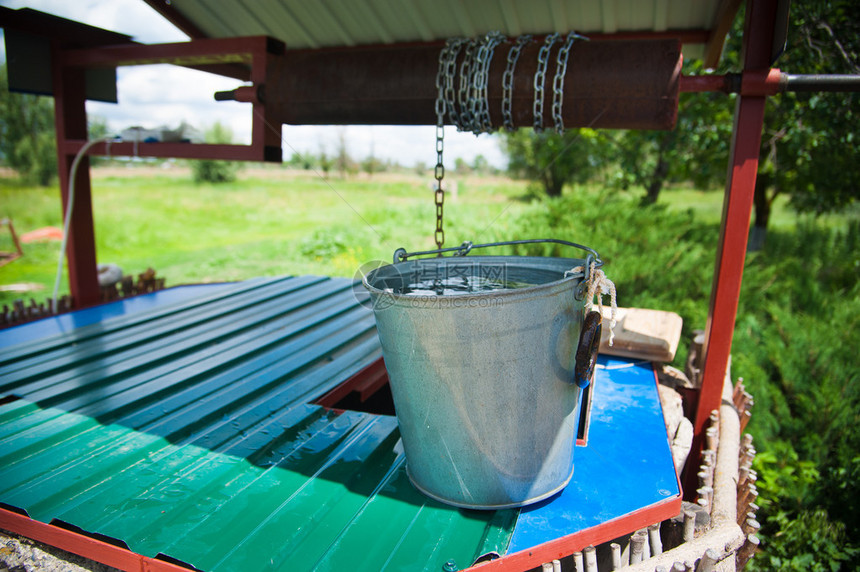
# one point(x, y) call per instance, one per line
point(567, 277)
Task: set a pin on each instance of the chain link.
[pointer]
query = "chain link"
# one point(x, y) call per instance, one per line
point(508, 81)
point(444, 76)
point(558, 80)
point(450, 71)
point(464, 94)
point(440, 192)
point(482, 77)
point(540, 78)
point(477, 83)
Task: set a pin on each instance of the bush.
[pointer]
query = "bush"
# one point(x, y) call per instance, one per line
point(212, 171)
point(28, 142)
point(215, 171)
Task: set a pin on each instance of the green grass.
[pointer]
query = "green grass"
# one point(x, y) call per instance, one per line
point(708, 209)
point(267, 223)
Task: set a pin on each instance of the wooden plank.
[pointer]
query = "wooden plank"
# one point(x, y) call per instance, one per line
point(642, 333)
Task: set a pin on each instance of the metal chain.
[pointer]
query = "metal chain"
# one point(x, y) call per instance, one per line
point(464, 93)
point(540, 78)
point(558, 80)
point(450, 71)
point(481, 103)
point(476, 81)
point(508, 80)
point(444, 66)
point(468, 106)
point(440, 192)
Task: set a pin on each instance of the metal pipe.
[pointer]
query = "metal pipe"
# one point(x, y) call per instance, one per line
point(769, 83)
point(821, 82)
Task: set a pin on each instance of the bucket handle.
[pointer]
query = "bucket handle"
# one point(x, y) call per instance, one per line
point(400, 255)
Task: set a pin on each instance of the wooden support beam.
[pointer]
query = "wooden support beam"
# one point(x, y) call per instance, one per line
point(70, 118)
point(725, 17)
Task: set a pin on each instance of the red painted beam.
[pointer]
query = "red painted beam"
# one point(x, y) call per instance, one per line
point(176, 150)
point(567, 545)
point(705, 83)
point(737, 208)
point(70, 118)
point(366, 382)
point(759, 82)
point(196, 53)
point(83, 545)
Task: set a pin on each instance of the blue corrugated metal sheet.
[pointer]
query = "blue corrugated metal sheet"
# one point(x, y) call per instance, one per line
point(187, 430)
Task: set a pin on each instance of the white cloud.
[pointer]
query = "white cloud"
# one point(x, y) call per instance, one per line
point(151, 96)
point(131, 17)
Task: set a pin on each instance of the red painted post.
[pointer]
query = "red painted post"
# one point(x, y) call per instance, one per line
point(70, 117)
point(737, 207)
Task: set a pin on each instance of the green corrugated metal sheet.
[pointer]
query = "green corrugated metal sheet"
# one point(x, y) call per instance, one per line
point(187, 430)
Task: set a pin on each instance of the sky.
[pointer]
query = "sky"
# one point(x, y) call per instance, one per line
point(152, 96)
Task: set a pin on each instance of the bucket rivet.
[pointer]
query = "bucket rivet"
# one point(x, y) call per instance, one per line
point(450, 566)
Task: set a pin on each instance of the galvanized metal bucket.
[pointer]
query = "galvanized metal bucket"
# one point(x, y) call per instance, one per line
point(486, 385)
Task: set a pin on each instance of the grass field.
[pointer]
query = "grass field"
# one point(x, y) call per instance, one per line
point(272, 221)
point(269, 222)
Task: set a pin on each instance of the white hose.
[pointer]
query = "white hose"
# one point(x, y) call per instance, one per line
point(67, 222)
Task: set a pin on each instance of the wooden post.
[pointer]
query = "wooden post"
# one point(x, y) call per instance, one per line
point(70, 117)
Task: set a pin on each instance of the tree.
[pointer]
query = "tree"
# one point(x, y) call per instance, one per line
point(325, 162)
point(808, 139)
point(371, 164)
point(480, 164)
point(97, 128)
point(808, 150)
point(344, 163)
point(28, 142)
point(696, 150)
point(555, 160)
point(211, 170)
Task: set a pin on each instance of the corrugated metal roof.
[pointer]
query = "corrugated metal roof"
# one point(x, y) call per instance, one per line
point(325, 23)
point(187, 430)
